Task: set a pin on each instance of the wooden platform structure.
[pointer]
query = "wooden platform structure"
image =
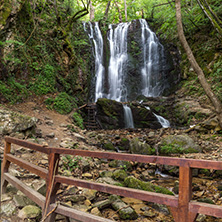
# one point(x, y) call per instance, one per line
point(92, 123)
point(182, 207)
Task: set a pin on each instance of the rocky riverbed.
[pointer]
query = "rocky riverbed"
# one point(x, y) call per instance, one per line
point(48, 128)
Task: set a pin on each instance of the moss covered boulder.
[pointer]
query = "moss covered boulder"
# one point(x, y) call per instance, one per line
point(175, 144)
point(136, 146)
point(132, 182)
point(110, 113)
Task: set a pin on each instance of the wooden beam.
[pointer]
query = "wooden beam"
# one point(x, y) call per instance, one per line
point(5, 166)
point(77, 215)
point(122, 191)
point(28, 166)
point(205, 208)
point(26, 144)
point(29, 192)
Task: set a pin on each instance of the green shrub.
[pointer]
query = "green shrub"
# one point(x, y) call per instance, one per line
point(63, 103)
point(78, 120)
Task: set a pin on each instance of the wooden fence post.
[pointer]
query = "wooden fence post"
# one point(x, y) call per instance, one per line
point(182, 214)
point(51, 187)
point(5, 167)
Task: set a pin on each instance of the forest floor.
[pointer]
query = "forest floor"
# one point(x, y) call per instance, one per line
point(211, 144)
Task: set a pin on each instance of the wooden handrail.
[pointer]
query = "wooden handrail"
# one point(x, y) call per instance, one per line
point(182, 207)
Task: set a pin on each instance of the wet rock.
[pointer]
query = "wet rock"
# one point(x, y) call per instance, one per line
point(30, 212)
point(138, 147)
point(178, 144)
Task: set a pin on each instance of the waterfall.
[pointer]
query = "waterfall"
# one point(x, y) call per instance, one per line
point(117, 64)
point(96, 36)
point(164, 122)
point(128, 117)
point(148, 76)
point(153, 60)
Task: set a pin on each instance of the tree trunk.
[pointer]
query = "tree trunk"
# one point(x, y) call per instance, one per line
point(213, 98)
point(211, 16)
point(107, 10)
point(120, 16)
point(125, 8)
point(91, 11)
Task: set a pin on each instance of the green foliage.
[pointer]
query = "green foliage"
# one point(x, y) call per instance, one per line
point(78, 120)
point(70, 162)
point(64, 103)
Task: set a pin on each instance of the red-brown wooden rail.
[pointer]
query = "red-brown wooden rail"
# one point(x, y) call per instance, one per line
point(182, 207)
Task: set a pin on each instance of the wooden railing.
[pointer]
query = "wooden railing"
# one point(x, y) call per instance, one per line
point(182, 207)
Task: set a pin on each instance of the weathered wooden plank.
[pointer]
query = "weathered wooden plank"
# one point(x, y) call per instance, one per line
point(122, 191)
point(185, 192)
point(29, 192)
point(27, 144)
point(5, 167)
point(28, 166)
point(51, 187)
point(78, 215)
point(207, 209)
point(144, 158)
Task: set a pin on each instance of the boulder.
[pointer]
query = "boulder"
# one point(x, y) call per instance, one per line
point(178, 144)
point(30, 212)
point(12, 122)
point(138, 147)
point(125, 211)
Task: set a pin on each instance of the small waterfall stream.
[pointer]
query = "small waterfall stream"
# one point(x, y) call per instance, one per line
point(114, 80)
point(128, 117)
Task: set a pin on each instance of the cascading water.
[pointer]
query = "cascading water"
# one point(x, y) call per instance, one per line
point(128, 117)
point(113, 83)
point(96, 36)
point(118, 60)
point(117, 68)
point(164, 122)
point(153, 60)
